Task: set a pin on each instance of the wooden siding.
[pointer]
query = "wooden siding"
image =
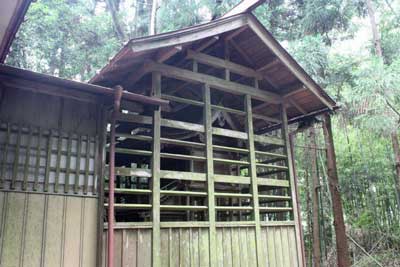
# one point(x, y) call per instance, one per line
point(47, 230)
point(189, 246)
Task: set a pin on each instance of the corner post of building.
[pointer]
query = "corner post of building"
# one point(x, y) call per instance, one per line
point(292, 158)
point(343, 258)
point(111, 179)
point(285, 136)
point(155, 169)
point(210, 174)
point(100, 170)
point(253, 177)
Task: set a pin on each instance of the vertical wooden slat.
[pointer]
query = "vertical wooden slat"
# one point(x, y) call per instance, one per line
point(87, 160)
point(48, 161)
point(164, 254)
point(95, 166)
point(58, 162)
point(72, 231)
point(90, 233)
point(204, 252)
point(271, 246)
point(285, 135)
point(13, 228)
point(27, 159)
point(5, 155)
point(78, 164)
point(34, 230)
point(244, 257)
point(253, 175)
point(235, 243)
point(210, 173)
point(68, 164)
point(16, 158)
point(156, 241)
point(38, 156)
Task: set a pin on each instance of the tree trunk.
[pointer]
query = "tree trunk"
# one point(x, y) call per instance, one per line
point(114, 15)
point(375, 33)
point(315, 201)
point(396, 150)
point(153, 17)
point(343, 258)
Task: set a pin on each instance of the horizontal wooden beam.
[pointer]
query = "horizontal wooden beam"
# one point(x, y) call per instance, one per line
point(230, 149)
point(214, 82)
point(182, 193)
point(219, 178)
point(190, 176)
point(130, 206)
point(182, 157)
point(272, 182)
point(234, 195)
point(182, 100)
point(164, 122)
point(229, 133)
point(123, 171)
point(130, 191)
point(233, 208)
point(230, 110)
point(268, 140)
point(224, 64)
point(275, 209)
point(231, 161)
point(264, 153)
point(182, 207)
point(182, 143)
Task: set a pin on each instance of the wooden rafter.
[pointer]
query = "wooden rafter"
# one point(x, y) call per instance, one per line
point(286, 59)
point(160, 57)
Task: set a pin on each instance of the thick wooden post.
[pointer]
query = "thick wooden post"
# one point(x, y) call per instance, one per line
point(292, 158)
point(343, 259)
point(210, 174)
point(285, 135)
point(315, 201)
point(254, 184)
point(155, 168)
point(111, 179)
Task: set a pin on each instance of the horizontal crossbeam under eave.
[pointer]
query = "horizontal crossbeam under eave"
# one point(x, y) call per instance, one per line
point(214, 82)
point(222, 63)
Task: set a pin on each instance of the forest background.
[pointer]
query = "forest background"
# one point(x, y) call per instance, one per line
point(350, 47)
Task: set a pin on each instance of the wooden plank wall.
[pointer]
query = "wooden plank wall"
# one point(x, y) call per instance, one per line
point(236, 247)
point(47, 230)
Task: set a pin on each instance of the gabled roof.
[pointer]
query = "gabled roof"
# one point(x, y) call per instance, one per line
point(253, 45)
point(12, 13)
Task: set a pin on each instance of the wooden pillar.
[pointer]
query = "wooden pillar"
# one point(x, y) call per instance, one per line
point(292, 158)
point(155, 169)
point(253, 177)
point(343, 259)
point(210, 174)
point(315, 201)
point(285, 136)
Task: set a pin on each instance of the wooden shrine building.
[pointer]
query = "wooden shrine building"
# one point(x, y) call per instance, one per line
point(197, 146)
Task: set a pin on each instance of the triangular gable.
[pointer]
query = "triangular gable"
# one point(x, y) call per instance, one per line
point(168, 44)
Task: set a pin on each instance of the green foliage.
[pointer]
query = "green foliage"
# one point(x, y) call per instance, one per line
point(312, 53)
point(60, 36)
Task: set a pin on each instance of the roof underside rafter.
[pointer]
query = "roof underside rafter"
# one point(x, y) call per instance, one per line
point(251, 44)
